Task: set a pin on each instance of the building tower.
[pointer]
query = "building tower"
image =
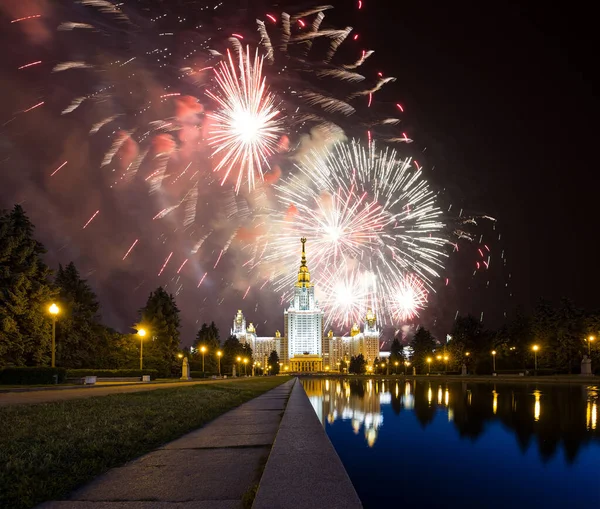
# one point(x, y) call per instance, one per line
point(239, 326)
point(304, 324)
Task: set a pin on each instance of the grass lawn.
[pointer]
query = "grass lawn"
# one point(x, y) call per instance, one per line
point(48, 450)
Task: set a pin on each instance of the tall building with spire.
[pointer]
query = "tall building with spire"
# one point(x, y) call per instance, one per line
point(303, 348)
point(303, 324)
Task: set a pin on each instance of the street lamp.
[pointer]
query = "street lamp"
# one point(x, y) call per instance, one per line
point(446, 363)
point(219, 353)
point(54, 310)
point(141, 333)
point(203, 351)
point(245, 362)
point(180, 355)
point(396, 370)
point(535, 351)
point(589, 342)
point(429, 365)
point(406, 364)
point(494, 360)
point(239, 359)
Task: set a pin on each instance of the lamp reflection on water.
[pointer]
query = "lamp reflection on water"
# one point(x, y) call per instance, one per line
point(440, 395)
point(446, 397)
point(537, 406)
point(591, 411)
point(495, 403)
point(429, 395)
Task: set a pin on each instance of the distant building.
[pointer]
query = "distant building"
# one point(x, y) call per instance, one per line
point(261, 346)
point(341, 349)
point(304, 347)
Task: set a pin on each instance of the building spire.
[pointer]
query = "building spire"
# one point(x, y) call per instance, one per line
point(303, 273)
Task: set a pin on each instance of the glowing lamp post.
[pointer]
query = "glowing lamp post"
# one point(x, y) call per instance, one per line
point(406, 364)
point(54, 310)
point(446, 363)
point(219, 353)
point(429, 365)
point(535, 351)
point(589, 342)
point(396, 369)
point(203, 351)
point(141, 333)
point(239, 359)
point(245, 363)
point(494, 360)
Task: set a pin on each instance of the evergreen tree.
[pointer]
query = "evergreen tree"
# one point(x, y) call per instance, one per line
point(25, 294)
point(396, 354)
point(274, 363)
point(232, 349)
point(358, 364)
point(208, 337)
point(78, 331)
point(423, 344)
point(160, 317)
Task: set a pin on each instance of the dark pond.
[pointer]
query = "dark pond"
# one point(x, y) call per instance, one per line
point(463, 445)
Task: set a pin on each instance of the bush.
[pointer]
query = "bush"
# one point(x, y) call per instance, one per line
point(112, 373)
point(202, 374)
point(32, 376)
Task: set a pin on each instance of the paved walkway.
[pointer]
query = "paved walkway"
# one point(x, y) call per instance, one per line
point(210, 468)
point(47, 396)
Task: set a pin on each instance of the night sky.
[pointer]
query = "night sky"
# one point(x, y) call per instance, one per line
point(499, 102)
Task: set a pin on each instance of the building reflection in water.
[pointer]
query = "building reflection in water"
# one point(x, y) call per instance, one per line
point(550, 415)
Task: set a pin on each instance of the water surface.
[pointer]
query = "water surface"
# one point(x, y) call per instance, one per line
point(463, 445)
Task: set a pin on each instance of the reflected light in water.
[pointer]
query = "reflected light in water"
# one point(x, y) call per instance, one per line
point(429, 395)
point(446, 397)
point(326, 385)
point(440, 395)
point(495, 403)
point(537, 406)
point(397, 390)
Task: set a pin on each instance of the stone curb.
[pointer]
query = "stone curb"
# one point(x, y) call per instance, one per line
point(303, 470)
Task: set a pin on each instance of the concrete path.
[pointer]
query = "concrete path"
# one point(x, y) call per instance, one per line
point(210, 468)
point(47, 396)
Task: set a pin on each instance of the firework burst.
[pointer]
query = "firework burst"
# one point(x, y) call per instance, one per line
point(247, 126)
point(369, 215)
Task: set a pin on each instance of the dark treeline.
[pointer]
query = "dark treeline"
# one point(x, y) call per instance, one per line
point(561, 332)
point(28, 287)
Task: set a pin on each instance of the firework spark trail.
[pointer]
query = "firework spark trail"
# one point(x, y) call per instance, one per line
point(245, 294)
point(165, 264)
point(131, 248)
point(246, 130)
point(61, 166)
point(33, 107)
point(181, 267)
point(90, 219)
point(218, 259)
point(33, 16)
point(202, 279)
point(30, 64)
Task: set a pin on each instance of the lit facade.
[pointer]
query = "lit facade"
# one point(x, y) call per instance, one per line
point(341, 349)
point(262, 346)
point(303, 325)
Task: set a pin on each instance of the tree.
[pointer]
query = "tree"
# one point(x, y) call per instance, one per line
point(232, 349)
point(25, 293)
point(468, 336)
point(358, 364)
point(207, 336)
point(423, 344)
point(274, 363)
point(78, 330)
point(160, 317)
point(396, 354)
